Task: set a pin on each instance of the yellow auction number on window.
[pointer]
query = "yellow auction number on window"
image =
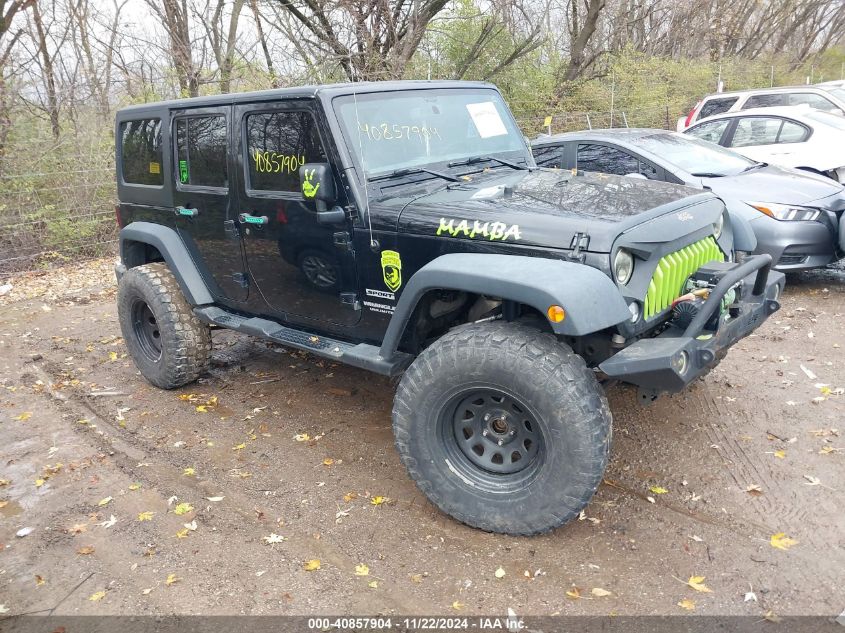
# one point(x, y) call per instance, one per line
point(399, 132)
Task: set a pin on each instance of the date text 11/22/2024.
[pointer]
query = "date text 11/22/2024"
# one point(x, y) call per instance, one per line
point(511, 623)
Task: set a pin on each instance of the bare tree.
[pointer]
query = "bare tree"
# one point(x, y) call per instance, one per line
point(175, 19)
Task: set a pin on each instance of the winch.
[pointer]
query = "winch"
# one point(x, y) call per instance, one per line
point(696, 292)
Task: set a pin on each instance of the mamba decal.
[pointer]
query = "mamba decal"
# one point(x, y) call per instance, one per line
point(391, 268)
point(491, 230)
point(308, 188)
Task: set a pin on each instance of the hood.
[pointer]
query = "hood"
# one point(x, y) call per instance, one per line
point(775, 184)
point(547, 208)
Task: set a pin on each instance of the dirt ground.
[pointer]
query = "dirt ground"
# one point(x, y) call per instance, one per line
point(275, 442)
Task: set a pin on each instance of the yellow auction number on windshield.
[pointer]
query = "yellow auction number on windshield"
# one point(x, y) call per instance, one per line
point(399, 132)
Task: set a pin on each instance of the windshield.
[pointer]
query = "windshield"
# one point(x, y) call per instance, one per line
point(695, 156)
point(390, 131)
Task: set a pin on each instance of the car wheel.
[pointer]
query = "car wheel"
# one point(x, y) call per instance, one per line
point(320, 269)
point(169, 344)
point(503, 427)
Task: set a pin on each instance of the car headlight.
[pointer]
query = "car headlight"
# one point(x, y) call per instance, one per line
point(718, 226)
point(623, 266)
point(789, 212)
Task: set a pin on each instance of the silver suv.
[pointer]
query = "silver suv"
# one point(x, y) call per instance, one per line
point(827, 98)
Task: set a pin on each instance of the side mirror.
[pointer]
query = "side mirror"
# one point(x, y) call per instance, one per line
point(317, 184)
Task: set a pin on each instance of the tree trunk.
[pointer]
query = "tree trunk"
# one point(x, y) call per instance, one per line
point(48, 72)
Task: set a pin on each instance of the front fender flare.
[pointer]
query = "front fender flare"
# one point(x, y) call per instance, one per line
point(591, 300)
point(167, 242)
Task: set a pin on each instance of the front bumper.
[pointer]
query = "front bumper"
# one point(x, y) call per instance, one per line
point(797, 245)
point(670, 361)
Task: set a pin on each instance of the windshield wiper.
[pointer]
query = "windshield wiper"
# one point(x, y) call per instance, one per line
point(480, 159)
point(415, 170)
point(707, 174)
point(754, 166)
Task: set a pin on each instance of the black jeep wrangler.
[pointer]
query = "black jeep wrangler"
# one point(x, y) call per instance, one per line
point(404, 228)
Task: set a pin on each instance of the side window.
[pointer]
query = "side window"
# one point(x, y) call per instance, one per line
point(608, 160)
point(201, 143)
point(716, 106)
point(756, 131)
point(792, 133)
point(140, 153)
point(549, 156)
point(814, 101)
point(766, 101)
point(648, 171)
point(711, 131)
point(278, 144)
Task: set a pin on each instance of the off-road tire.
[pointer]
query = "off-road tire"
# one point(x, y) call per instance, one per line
point(536, 370)
point(185, 341)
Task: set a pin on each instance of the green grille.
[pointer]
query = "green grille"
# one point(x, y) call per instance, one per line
point(674, 269)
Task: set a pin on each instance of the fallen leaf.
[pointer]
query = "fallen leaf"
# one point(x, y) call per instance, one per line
point(417, 578)
point(192, 526)
point(183, 508)
point(109, 523)
point(215, 499)
point(302, 437)
point(771, 617)
point(349, 496)
point(39, 580)
point(183, 533)
point(3, 503)
point(697, 539)
point(5, 482)
point(112, 356)
point(574, 593)
point(780, 454)
point(4, 608)
point(24, 532)
point(373, 584)
point(274, 538)
point(147, 592)
point(97, 596)
point(171, 579)
point(239, 447)
point(39, 483)
point(754, 490)
point(146, 516)
point(500, 573)
point(658, 490)
point(189, 472)
point(457, 605)
point(84, 551)
point(362, 570)
point(750, 596)
point(812, 481)
point(377, 501)
point(312, 565)
point(134, 486)
point(23, 417)
point(687, 604)
point(697, 583)
point(104, 502)
point(782, 541)
point(598, 592)
point(328, 461)
point(79, 528)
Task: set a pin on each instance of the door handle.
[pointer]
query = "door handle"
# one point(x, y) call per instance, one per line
point(247, 218)
point(187, 212)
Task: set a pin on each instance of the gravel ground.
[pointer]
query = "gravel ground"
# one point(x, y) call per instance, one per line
point(107, 471)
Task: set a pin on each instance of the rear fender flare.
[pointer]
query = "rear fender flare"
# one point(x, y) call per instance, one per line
point(167, 242)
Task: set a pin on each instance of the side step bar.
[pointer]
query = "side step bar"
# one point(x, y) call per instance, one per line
point(360, 355)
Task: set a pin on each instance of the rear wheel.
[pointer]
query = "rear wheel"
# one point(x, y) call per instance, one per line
point(169, 344)
point(503, 427)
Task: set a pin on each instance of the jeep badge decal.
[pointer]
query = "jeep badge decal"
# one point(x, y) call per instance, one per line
point(308, 188)
point(391, 268)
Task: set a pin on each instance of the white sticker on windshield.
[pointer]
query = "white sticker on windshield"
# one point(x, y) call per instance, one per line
point(486, 119)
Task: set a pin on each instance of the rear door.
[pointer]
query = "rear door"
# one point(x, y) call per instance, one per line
point(302, 269)
point(767, 138)
point(202, 170)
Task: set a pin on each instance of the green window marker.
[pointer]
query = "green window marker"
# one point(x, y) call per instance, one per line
point(183, 171)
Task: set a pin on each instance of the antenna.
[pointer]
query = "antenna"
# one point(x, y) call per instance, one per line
point(373, 243)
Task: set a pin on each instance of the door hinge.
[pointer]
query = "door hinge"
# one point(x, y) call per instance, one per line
point(242, 279)
point(343, 242)
point(580, 242)
point(231, 230)
point(350, 299)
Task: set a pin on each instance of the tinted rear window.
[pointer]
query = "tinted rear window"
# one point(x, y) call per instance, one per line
point(766, 101)
point(716, 106)
point(141, 151)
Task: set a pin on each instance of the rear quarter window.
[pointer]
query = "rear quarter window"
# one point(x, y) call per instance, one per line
point(766, 101)
point(716, 106)
point(140, 152)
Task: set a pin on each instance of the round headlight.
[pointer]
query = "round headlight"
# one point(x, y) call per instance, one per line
point(718, 225)
point(623, 266)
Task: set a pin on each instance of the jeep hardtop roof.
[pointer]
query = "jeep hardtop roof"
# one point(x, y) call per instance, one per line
point(328, 90)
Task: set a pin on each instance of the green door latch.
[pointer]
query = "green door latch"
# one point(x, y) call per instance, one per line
point(246, 218)
point(187, 212)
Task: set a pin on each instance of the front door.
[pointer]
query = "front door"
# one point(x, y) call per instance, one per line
point(202, 202)
point(292, 259)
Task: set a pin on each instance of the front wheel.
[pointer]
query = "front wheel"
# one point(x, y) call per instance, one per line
point(503, 427)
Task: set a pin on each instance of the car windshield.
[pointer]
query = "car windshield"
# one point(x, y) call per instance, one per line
point(695, 156)
point(404, 130)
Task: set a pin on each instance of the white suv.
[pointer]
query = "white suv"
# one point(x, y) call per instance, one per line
point(827, 98)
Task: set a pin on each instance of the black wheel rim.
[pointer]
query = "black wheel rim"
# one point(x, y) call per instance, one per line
point(146, 331)
point(319, 271)
point(493, 437)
